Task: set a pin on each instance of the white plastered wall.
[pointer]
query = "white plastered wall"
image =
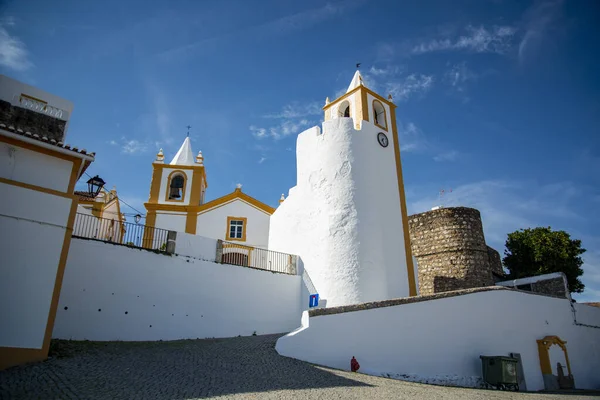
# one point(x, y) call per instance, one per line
point(27, 277)
point(114, 292)
point(171, 221)
point(441, 340)
point(343, 217)
point(28, 166)
point(213, 223)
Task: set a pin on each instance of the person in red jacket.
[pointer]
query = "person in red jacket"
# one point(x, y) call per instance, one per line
point(354, 365)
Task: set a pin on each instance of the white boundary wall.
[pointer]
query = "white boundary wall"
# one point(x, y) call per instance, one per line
point(441, 340)
point(168, 297)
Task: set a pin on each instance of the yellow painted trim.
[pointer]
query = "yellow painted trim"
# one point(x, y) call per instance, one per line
point(39, 149)
point(190, 222)
point(33, 98)
point(361, 87)
point(196, 191)
point(412, 285)
point(148, 237)
point(244, 228)
point(37, 188)
point(543, 347)
point(168, 188)
point(342, 97)
point(375, 114)
point(62, 263)
point(155, 183)
point(365, 105)
point(174, 166)
point(221, 201)
point(74, 175)
point(10, 356)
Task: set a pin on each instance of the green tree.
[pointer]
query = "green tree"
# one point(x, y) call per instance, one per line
point(539, 251)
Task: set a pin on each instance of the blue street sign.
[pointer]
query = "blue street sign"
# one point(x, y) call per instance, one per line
point(313, 300)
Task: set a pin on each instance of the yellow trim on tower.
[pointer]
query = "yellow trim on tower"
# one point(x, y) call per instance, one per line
point(244, 228)
point(168, 188)
point(412, 285)
point(148, 237)
point(375, 115)
point(191, 221)
point(155, 183)
point(221, 201)
point(365, 105)
point(196, 192)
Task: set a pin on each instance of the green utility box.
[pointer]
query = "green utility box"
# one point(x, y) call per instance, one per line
point(500, 371)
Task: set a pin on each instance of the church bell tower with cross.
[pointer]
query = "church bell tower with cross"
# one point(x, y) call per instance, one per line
point(346, 217)
point(175, 189)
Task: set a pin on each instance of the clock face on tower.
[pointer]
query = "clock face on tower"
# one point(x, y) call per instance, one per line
point(382, 139)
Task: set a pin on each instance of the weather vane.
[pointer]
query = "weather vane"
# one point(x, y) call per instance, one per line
point(358, 65)
point(188, 128)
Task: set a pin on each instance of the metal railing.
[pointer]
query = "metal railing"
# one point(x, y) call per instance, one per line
point(115, 231)
point(255, 257)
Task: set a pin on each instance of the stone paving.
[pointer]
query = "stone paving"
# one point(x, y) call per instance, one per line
point(241, 368)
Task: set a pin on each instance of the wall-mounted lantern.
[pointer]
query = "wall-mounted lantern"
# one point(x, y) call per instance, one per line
point(95, 185)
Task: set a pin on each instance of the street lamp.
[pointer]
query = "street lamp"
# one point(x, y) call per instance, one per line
point(137, 218)
point(95, 185)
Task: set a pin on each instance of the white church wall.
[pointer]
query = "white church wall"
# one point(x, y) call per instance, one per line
point(195, 246)
point(171, 221)
point(164, 186)
point(213, 223)
point(27, 277)
point(441, 340)
point(343, 217)
point(27, 166)
point(114, 292)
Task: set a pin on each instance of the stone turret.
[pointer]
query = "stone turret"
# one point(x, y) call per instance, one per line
point(451, 252)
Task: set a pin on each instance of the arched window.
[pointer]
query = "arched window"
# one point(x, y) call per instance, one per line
point(379, 114)
point(344, 109)
point(176, 190)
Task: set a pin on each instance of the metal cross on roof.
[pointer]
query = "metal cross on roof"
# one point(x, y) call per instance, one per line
point(188, 128)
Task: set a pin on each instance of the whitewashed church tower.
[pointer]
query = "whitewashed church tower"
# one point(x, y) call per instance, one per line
point(176, 190)
point(346, 217)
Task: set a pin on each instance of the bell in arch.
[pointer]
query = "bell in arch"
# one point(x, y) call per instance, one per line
point(174, 193)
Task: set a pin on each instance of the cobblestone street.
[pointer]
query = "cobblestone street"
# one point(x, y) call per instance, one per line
point(244, 367)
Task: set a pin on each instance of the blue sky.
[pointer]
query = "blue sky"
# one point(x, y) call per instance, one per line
point(497, 100)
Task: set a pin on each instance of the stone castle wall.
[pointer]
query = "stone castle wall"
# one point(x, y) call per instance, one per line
point(450, 249)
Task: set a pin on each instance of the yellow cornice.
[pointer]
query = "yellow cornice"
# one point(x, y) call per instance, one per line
point(161, 166)
point(366, 89)
point(237, 194)
point(350, 93)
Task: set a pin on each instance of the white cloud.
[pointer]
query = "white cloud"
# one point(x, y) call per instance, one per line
point(292, 119)
point(284, 128)
point(13, 52)
point(411, 138)
point(262, 160)
point(540, 19)
point(458, 75)
point(133, 146)
point(130, 146)
point(409, 86)
point(451, 155)
point(297, 110)
point(497, 39)
point(385, 71)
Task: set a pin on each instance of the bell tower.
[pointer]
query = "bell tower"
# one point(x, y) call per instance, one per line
point(174, 188)
point(346, 217)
